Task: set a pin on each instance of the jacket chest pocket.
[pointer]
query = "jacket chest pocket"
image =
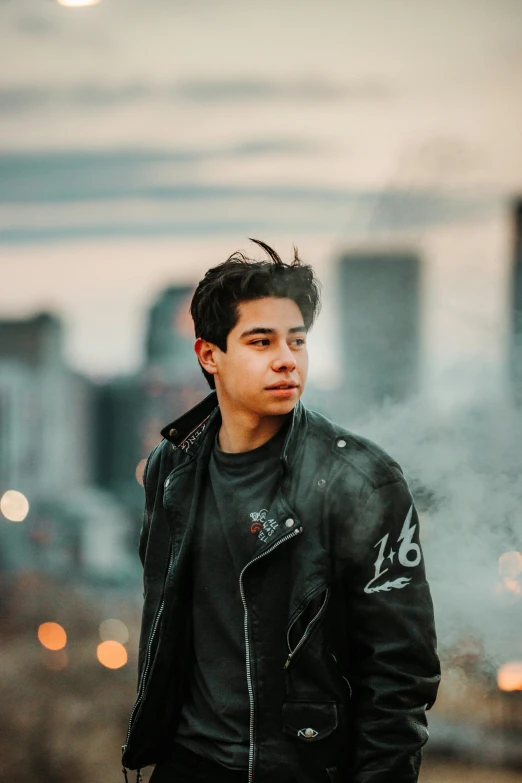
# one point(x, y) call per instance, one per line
point(304, 625)
point(310, 721)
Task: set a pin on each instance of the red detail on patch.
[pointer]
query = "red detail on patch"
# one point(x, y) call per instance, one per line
point(256, 527)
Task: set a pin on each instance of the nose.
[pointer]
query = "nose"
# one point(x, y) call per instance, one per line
point(285, 359)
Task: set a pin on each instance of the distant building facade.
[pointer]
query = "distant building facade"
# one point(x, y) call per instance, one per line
point(516, 305)
point(132, 410)
point(379, 336)
point(169, 341)
point(171, 378)
point(46, 453)
point(44, 410)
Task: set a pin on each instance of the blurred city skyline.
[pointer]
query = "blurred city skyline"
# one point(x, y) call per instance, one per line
point(141, 144)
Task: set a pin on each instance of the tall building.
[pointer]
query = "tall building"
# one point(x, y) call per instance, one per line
point(170, 335)
point(119, 409)
point(35, 342)
point(379, 334)
point(18, 447)
point(44, 426)
point(172, 379)
point(516, 305)
point(132, 410)
point(46, 445)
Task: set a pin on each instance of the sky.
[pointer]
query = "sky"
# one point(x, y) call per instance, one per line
point(142, 142)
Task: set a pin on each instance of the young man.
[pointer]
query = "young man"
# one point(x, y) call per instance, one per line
point(288, 630)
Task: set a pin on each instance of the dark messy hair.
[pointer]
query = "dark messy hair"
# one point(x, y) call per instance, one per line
point(215, 304)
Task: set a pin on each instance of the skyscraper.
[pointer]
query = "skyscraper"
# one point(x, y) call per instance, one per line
point(172, 379)
point(170, 334)
point(379, 335)
point(131, 410)
point(44, 424)
point(516, 305)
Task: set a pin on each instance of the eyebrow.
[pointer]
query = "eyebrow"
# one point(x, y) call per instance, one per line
point(266, 330)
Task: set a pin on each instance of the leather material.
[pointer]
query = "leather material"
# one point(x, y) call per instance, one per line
point(309, 721)
point(332, 775)
point(340, 615)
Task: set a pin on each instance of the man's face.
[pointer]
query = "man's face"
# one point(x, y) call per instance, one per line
point(264, 368)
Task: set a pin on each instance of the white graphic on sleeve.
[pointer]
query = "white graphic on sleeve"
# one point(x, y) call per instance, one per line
point(261, 525)
point(407, 545)
point(409, 555)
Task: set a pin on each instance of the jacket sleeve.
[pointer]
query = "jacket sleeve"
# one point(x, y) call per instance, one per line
point(394, 664)
point(145, 523)
point(150, 483)
point(149, 478)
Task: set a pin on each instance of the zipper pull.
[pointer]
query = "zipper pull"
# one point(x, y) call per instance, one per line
point(287, 664)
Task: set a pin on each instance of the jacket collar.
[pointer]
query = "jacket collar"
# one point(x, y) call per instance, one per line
point(188, 429)
point(184, 431)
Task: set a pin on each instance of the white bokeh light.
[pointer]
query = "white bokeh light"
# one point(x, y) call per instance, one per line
point(77, 3)
point(114, 631)
point(14, 506)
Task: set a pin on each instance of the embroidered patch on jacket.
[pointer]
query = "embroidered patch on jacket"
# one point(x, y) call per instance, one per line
point(193, 436)
point(261, 525)
point(408, 555)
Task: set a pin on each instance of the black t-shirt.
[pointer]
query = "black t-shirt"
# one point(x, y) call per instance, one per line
point(233, 525)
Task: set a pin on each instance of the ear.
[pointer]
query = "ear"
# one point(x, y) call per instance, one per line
point(205, 352)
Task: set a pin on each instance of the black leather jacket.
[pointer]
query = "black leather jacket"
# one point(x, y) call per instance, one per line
point(341, 659)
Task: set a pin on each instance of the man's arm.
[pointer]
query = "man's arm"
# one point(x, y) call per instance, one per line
point(394, 660)
point(147, 510)
point(150, 586)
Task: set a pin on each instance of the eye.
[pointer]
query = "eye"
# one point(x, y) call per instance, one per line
point(299, 341)
point(262, 342)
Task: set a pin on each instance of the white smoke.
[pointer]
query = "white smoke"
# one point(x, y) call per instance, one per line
point(464, 471)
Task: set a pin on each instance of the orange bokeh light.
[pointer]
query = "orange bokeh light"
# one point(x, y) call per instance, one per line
point(510, 564)
point(140, 467)
point(511, 585)
point(52, 636)
point(111, 654)
point(509, 676)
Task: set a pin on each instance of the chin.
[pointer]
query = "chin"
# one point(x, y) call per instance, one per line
point(280, 407)
point(263, 407)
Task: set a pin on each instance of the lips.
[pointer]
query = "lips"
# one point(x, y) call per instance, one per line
point(283, 385)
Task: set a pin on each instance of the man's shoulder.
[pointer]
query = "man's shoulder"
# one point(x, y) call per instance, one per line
point(161, 460)
point(354, 453)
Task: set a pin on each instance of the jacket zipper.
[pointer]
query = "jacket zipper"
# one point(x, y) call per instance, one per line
point(308, 630)
point(247, 649)
point(146, 668)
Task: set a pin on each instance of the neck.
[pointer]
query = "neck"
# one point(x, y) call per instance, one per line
point(243, 430)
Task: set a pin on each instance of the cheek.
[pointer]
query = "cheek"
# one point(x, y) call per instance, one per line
point(244, 370)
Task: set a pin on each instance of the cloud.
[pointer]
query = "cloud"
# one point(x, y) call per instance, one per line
point(35, 26)
point(84, 175)
point(248, 90)
point(83, 95)
point(198, 91)
point(112, 208)
point(48, 196)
